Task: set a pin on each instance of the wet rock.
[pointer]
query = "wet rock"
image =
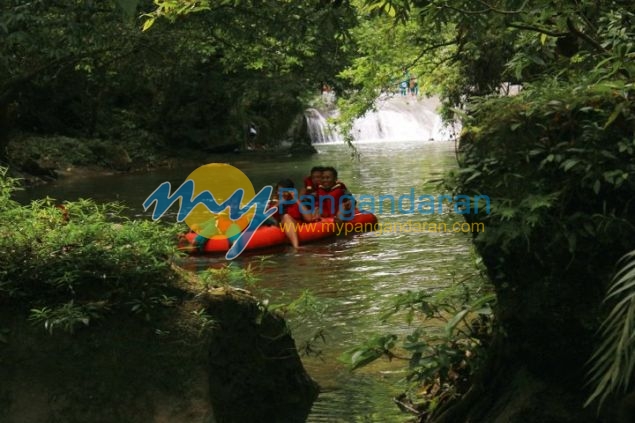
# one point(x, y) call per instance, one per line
point(40, 168)
point(255, 372)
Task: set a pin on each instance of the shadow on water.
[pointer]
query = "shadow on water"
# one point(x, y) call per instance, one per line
point(353, 278)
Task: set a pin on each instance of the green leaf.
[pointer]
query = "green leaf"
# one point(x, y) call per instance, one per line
point(148, 23)
point(507, 212)
point(537, 59)
point(363, 357)
point(616, 112)
point(474, 175)
point(449, 327)
point(608, 154)
point(613, 361)
point(569, 163)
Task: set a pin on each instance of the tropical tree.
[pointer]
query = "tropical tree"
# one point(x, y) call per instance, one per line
point(46, 43)
point(272, 55)
point(85, 68)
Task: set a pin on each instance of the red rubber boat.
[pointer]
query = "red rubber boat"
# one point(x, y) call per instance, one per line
point(270, 236)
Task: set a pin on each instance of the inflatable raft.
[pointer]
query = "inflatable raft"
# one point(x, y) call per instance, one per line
point(271, 236)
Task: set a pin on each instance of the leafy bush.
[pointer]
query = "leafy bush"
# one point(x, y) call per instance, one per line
point(576, 145)
point(71, 264)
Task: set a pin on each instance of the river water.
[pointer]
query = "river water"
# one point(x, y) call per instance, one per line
point(353, 279)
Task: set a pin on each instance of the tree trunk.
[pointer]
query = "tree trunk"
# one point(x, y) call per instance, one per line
point(5, 129)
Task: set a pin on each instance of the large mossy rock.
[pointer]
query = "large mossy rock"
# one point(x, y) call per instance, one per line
point(299, 136)
point(166, 369)
point(254, 369)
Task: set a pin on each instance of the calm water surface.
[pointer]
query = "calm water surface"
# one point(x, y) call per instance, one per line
point(353, 278)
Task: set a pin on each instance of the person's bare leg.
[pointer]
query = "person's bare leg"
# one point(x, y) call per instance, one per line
point(289, 228)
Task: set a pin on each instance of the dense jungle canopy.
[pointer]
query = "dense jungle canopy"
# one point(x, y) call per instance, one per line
point(85, 69)
point(557, 159)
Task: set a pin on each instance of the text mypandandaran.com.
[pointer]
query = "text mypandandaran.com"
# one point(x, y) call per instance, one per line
point(409, 226)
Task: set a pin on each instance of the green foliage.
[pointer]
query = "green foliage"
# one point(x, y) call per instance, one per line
point(63, 49)
point(228, 275)
point(7, 187)
point(266, 59)
point(557, 161)
point(613, 362)
point(68, 316)
point(73, 264)
point(300, 312)
point(576, 145)
point(204, 321)
point(80, 70)
point(374, 348)
point(461, 50)
point(59, 152)
point(305, 303)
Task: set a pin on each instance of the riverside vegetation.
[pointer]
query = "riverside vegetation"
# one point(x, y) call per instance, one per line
point(99, 324)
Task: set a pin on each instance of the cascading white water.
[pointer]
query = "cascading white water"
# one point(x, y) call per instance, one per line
point(319, 129)
point(405, 118)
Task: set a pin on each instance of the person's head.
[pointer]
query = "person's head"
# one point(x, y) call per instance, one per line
point(329, 177)
point(285, 189)
point(316, 175)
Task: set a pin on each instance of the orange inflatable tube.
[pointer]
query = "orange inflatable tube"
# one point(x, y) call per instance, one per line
point(270, 236)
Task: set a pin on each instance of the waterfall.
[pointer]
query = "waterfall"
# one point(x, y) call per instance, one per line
point(405, 118)
point(319, 129)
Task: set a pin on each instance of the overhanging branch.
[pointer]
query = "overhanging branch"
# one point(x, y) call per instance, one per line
point(537, 29)
point(584, 36)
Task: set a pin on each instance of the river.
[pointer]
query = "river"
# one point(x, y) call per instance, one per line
point(352, 278)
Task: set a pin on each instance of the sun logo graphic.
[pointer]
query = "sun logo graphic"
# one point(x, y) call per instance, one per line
point(216, 200)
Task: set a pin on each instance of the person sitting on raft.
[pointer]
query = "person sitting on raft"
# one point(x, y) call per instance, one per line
point(312, 182)
point(290, 212)
point(333, 198)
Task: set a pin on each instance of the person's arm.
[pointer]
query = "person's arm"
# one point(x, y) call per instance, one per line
point(345, 206)
point(309, 211)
